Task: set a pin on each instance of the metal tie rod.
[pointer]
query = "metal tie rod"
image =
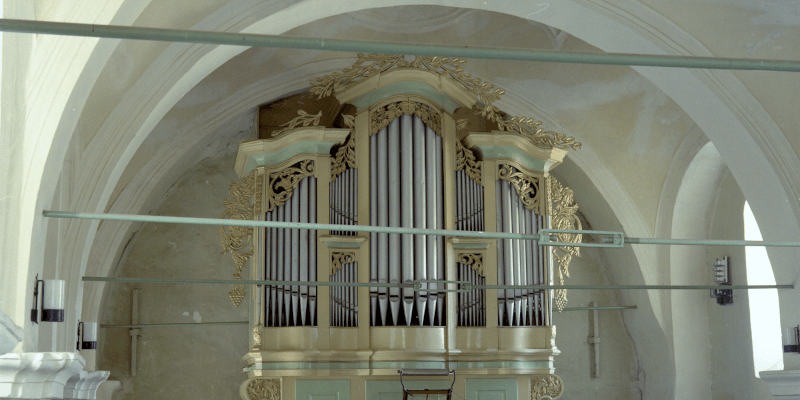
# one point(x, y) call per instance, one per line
point(609, 239)
point(273, 41)
point(601, 308)
point(176, 324)
point(416, 285)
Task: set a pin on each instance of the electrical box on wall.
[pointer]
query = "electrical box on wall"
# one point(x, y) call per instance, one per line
point(722, 275)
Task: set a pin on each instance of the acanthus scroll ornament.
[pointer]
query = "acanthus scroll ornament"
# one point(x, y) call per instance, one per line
point(475, 260)
point(257, 337)
point(563, 217)
point(345, 157)
point(527, 186)
point(486, 94)
point(546, 387)
point(283, 183)
point(466, 160)
point(383, 116)
point(263, 389)
point(303, 119)
point(237, 240)
point(339, 259)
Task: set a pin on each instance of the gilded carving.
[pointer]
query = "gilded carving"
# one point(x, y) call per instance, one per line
point(461, 125)
point(237, 240)
point(345, 157)
point(466, 160)
point(552, 336)
point(303, 119)
point(382, 117)
point(563, 217)
point(349, 120)
point(264, 389)
point(339, 259)
point(475, 260)
point(527, 186)
point(486, 94)
point(257, 337)
point(546, 387)
point(283, 183)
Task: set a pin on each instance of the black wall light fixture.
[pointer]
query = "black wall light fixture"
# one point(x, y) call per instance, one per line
point(52, 305)
point(87, 335)
point(722, 276)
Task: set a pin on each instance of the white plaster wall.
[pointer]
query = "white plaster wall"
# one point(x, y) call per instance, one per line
point(181, 362)
point(732, 372)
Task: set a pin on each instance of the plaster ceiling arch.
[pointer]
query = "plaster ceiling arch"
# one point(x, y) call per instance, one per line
point(606, 34)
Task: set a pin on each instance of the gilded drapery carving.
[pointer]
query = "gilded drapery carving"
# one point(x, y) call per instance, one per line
point(466, 160)
point(341, 258)
point(546, 387)
point(475, 260)
point(383, 116)
point(485, 93)
point(303, 119)
point(283, 183)
point(345, 157)
point(263, 389)
point(563, 217)
point(237, 240)
point(527, 186)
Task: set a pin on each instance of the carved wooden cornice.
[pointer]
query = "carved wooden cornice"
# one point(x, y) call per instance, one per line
point(486, 94)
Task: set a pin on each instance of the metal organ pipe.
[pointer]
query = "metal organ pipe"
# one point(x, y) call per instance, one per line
point(373, 219)
point(469, 210)
point(407, 192)
point(518, 262)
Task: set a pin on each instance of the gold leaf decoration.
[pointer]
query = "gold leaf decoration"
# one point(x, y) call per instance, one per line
point(475, 260)
point(349, 120)
point(345, 157)
point(339, 259)
point(283, 183)
point(303, 119)
point(382, 117)
point(236, 238)
point(527, 186)
point(257, 337)
point(264, 389)
point(563, 217)
point(486, 94)
point(546, 387)
point(465, 159)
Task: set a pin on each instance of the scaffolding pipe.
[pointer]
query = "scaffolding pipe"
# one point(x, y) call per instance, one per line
point(173, 325)
point(417, 285)
point(272, 41)
point(601, 308)
point(415, 231)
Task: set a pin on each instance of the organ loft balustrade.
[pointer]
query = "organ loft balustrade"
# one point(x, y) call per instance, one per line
point(397, 142)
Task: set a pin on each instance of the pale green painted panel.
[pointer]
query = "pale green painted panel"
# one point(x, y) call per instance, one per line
point(392, 390)
point(491, 389)
point(307, 389)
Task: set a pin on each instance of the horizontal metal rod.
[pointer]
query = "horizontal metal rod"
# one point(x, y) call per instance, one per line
point(704, 242)
point(174, 325)
point(290, 225)
point(243, 282)
point(272, 41)
point(417, 284)
point(633, 287)
point(383, 229)
point(599, 308)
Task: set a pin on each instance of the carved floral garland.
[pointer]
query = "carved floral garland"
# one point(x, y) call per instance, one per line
point(345, 157)
point(339, 259)
point(486, 94)
point(236, 238)
point(303, 119)
point(283, 183)
point(382, 117)
point(527, 186)
point(475, 260)
point(466, 160)
point(563, 217)
point(546, 387)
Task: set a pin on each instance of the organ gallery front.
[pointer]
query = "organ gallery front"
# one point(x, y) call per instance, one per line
point(409, 142)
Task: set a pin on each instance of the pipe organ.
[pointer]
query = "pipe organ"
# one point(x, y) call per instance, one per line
point(411, 144)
